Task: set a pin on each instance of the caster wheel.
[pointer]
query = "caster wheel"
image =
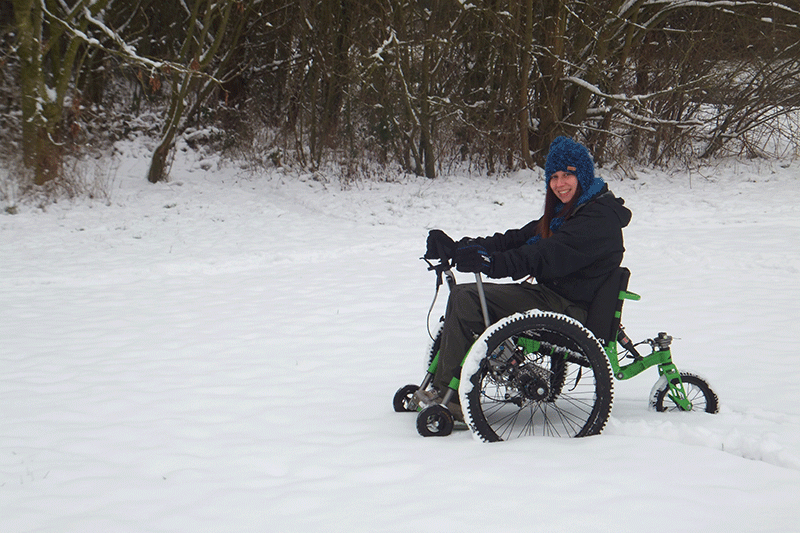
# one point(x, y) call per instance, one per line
point(402, 399)
point(435, 421)
point(698, 391)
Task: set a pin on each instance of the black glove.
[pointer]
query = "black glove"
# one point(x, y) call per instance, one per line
point(437, 239)
point(472, 258)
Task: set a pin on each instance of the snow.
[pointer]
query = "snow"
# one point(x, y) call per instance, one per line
point(219, 353)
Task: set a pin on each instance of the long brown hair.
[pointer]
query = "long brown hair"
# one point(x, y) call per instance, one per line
point(551, 202)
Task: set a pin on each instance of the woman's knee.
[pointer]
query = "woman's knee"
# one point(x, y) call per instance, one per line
point(463, 296)
point(464, 302)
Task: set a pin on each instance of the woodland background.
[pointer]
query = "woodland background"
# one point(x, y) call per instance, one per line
point(377, 87)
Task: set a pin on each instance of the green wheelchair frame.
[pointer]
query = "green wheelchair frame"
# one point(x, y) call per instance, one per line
point(660, 356)
point(436, 416)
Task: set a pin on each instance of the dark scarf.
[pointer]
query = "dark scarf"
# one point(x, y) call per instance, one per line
point(594, 190)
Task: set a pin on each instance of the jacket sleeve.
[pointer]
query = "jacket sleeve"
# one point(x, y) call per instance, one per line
point(579, 242)
point(511, 239)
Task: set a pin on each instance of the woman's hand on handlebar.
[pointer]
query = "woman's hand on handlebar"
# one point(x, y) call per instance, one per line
point(439, 245)
point(472, 257)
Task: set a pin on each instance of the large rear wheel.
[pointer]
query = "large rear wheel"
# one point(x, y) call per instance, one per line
point(537, 374)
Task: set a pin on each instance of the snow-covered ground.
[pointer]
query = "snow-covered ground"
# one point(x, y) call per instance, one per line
point(219, 354)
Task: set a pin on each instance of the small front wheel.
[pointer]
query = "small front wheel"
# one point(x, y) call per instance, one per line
point(402, 399)
point(698, 391)
point(435, 421)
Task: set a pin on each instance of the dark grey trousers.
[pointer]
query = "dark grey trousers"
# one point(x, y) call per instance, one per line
point(463, 318)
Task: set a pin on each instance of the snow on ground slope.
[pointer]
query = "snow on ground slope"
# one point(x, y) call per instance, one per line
point(219, 353)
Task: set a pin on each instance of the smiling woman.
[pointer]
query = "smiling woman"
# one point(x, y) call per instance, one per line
point(565, 185)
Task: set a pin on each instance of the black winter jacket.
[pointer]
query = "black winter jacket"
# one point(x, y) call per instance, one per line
point(576, 259)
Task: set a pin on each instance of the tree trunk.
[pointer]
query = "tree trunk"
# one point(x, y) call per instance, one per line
point(426, 120)
point(550, 102)
point(48, 55)
point(524, 73)
point(39, 153)
point(158, 163)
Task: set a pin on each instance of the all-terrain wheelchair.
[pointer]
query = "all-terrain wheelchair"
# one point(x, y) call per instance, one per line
point(540, 373)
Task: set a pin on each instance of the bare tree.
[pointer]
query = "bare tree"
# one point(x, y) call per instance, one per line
point(208, 25)
point(48, 56)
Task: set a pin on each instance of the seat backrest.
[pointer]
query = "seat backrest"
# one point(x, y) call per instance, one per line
point(605, 311)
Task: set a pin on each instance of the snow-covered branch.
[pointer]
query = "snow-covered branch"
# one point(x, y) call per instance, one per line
point(123, 49)
point(637, 98)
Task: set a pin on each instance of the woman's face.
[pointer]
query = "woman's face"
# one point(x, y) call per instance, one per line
point(564, 185)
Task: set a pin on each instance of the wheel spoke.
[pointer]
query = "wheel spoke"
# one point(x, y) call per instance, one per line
point(555, 391)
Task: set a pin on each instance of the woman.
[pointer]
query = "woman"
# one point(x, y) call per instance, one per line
point(569, 252)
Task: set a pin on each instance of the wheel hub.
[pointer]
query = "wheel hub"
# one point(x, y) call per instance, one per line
point(534, 387)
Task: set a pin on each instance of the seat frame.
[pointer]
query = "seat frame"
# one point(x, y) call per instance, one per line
point(605, 311)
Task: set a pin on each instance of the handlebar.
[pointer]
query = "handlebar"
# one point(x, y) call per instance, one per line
point(444, 267)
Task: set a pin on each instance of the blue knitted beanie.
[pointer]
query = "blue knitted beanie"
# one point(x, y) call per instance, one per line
point(568, 156)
